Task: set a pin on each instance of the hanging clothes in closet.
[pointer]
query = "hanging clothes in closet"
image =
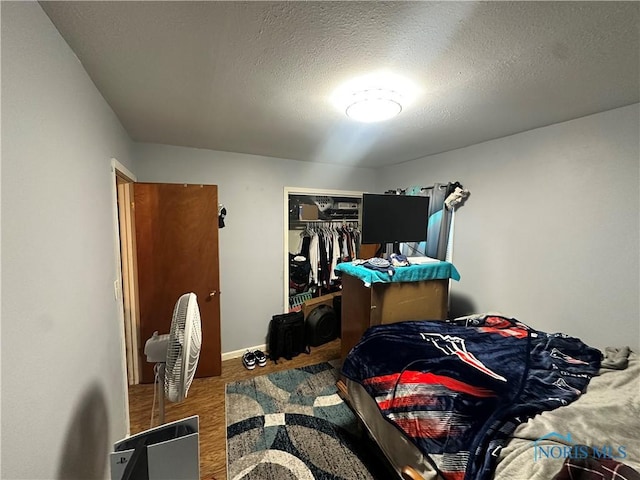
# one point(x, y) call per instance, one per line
point(325, 244)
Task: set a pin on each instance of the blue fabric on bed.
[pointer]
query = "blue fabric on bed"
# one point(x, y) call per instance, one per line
point(458, 389)
point(414, 273)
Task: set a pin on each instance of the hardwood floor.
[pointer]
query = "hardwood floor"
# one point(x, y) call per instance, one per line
point(206, 399)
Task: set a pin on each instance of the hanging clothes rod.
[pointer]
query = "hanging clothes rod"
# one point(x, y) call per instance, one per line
point(304, 224)
point(341, 220)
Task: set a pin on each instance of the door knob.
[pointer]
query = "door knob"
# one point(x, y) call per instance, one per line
point(212, 294)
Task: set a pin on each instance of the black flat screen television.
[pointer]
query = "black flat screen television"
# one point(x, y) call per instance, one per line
point(394, 218)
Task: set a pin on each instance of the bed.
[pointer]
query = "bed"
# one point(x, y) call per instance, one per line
point(593, 423)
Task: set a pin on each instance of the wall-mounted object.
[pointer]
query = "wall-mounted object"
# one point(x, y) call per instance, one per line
point(222, 213)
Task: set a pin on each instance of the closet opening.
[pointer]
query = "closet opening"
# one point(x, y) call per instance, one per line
point(322, 228)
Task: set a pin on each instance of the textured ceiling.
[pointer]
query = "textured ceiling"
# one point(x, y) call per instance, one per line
point(257, 77)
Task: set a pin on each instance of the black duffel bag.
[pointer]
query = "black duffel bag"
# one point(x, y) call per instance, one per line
point(286, 337)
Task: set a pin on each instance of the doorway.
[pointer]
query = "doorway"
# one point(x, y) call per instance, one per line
point(126, 284)
point(166, 245)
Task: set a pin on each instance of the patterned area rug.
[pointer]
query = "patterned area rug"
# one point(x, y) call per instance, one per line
point(292, 425)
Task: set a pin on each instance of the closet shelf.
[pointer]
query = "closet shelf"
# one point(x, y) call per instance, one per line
point(335, 220)
point(301, 224)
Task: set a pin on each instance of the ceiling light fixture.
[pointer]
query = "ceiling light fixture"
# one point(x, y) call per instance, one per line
point(375, 97)
point(374, 105)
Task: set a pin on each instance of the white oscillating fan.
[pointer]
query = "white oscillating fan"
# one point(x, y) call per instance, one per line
point(176, 354)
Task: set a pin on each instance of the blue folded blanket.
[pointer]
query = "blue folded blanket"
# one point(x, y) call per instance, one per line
point(412, 273)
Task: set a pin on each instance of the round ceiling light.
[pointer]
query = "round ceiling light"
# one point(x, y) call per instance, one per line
point(374, 105)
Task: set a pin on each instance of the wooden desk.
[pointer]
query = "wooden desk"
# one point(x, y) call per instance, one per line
point(381, 303)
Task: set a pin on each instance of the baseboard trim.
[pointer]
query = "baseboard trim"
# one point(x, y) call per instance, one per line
point(239, 353)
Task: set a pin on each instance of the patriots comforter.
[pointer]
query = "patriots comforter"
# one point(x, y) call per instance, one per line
point(459, 389)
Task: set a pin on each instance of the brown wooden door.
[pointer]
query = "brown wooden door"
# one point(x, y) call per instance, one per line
point(177, 251)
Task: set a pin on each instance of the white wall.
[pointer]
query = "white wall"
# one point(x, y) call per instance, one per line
point(550, 231)
point(63, 392)
point(251, 244)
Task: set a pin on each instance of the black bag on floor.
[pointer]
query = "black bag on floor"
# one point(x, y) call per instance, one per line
point(286, 337)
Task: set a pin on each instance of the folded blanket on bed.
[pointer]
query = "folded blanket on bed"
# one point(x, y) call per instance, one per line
point(616, 358)
point(459, 389)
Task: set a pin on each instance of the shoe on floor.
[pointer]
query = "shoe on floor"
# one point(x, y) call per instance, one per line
point(249, 360)
point(261, 358)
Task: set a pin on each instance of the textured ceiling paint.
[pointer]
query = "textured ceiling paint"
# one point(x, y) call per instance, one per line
point(257, 77)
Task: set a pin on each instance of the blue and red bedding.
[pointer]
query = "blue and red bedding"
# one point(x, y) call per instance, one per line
point(458, 389)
